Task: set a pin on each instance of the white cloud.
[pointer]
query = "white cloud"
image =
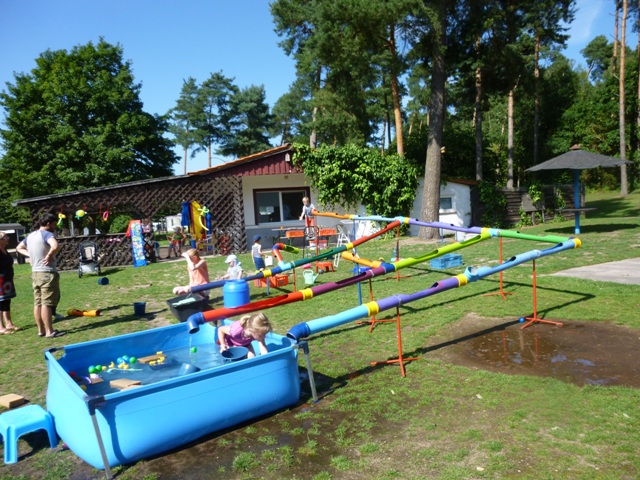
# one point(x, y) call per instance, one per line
point(591, 16)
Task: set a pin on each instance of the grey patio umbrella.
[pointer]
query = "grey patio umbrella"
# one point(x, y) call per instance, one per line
point(576, 160)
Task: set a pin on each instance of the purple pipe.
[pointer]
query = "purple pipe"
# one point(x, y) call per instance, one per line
point(445, 226)
point(305, 329)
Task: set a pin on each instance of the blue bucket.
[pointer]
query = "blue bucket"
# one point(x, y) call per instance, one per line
point(139, 308)
point(103, 281)
point(233, 354)
point(235, 293)
point(186, 369)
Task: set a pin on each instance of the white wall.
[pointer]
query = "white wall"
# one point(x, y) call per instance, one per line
point(460, 213)
point(173, 221)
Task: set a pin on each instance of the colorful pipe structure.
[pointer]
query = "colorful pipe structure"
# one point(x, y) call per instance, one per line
point(284, 266)
point(377, 267)
point(197, 319)
point(447, 226)
point(394, 222)
point(471, 274)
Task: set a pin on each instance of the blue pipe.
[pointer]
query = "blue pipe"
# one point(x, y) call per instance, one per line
point(471, 274)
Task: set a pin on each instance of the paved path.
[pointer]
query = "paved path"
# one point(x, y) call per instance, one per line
point(624, 271)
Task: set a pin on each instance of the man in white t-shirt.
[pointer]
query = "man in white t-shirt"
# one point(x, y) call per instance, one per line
point(41, 247)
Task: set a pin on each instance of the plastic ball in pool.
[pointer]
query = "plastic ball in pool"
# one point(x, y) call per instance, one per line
point(193, 349)
point(132, 360)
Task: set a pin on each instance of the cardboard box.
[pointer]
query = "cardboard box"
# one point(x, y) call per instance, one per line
point(11, 400)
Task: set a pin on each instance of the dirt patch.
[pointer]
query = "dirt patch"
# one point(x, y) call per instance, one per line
point(577, 352)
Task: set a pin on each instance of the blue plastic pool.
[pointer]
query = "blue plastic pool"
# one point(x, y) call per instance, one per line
point(170, 407)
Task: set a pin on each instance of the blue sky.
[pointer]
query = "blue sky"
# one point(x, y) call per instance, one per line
point(170, 40)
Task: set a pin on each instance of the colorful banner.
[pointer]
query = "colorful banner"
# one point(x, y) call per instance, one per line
point(137, 242)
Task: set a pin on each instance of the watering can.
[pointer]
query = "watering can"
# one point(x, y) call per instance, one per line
point(310, 277)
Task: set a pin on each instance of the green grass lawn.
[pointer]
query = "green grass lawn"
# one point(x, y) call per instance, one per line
point(440, 421)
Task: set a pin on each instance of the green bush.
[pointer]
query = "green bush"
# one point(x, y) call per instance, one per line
point(120, 223)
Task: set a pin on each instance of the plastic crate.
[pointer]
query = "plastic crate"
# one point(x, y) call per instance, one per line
point(184, 306)
point(449, 260)
point(275, 281)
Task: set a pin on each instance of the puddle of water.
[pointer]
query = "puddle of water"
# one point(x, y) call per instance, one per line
point(573, 353)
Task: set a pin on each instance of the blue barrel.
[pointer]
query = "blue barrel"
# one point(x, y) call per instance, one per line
point(235, 293)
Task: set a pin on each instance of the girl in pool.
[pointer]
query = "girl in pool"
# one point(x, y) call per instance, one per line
point(242, 332)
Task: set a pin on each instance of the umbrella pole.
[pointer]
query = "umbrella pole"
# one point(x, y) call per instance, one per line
point(576, 198)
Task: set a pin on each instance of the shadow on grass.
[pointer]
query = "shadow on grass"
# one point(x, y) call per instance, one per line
point(613, 207)
point(542, 313)
point(106, 271)
point(597, 228)
point(104, 322)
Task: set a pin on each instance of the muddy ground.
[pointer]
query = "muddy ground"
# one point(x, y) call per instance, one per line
point(576, 352)
point(580, 353)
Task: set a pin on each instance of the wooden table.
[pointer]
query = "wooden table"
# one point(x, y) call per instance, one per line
point(282, 233)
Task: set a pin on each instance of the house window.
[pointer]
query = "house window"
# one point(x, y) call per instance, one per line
point(276, 206)
point(446, 204)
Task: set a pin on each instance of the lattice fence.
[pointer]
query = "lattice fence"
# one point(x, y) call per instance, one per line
point(145, 199)
point(112, 250)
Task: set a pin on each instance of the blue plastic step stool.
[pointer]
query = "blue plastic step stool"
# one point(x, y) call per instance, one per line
point(16, 423)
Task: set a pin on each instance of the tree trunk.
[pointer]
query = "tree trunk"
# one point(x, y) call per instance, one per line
point(431, 193)
point(312, 138)
point(510, 139)
point(477, 117)
point(185, 152)
point(638, 95)
point(383, 133)
point(623, 139)
point(185, 161)
point(395, 92)
point(536, 101)
point(614, 60)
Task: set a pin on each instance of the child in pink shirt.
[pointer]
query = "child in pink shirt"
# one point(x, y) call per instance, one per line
point(244, 331)
point(198, 272)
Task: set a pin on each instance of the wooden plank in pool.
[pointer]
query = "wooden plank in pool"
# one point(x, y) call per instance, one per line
point(123, 383)
point(151, 358)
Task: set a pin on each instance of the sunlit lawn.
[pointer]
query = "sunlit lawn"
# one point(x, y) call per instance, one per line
point(441, 421)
